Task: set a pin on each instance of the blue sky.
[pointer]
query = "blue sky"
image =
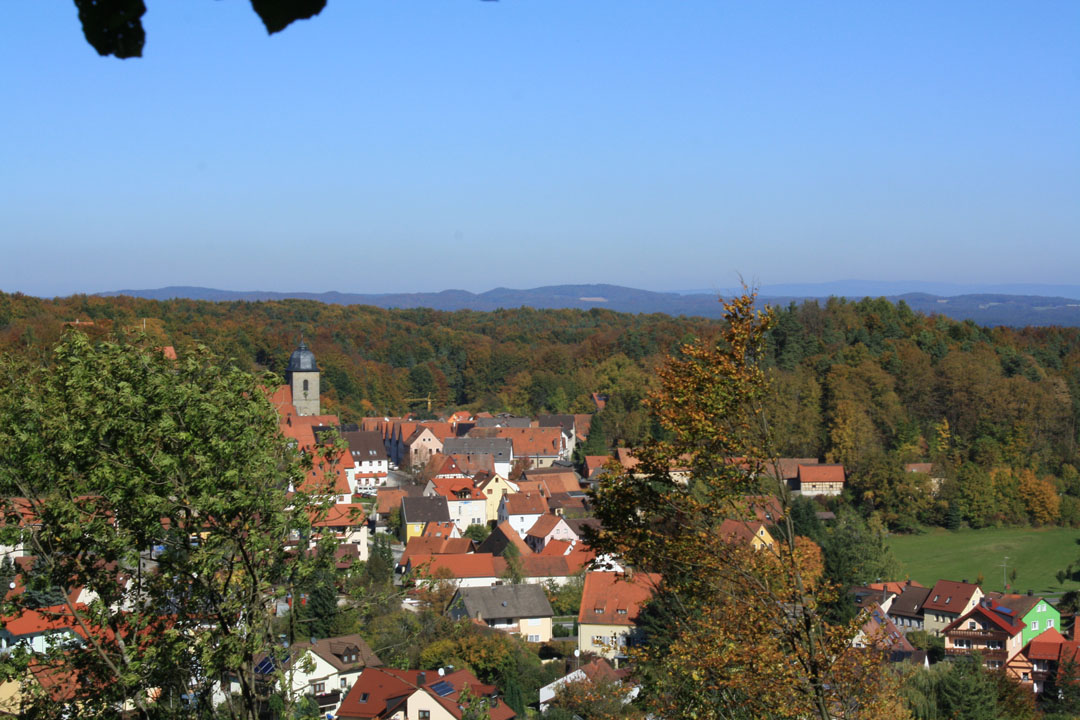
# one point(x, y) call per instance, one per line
point(409, 145)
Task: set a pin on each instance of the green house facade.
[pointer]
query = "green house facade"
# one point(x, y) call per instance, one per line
point(1035, 612)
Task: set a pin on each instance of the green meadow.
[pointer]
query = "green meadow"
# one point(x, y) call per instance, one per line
point(1035, 553)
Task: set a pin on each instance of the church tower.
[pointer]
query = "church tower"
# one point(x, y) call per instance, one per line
point(302, 375)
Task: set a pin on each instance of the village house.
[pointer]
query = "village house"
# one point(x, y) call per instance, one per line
point(947, 601)
point(466, 504)
point(540, 447)
point(323, 668)
point(907, 608)
point(493, 487)
point(371, 464)
point(347, 523)
point(993, 631)
point(420, 446)
point(500, 450)
point(753, 534)
point(610, 605)
point(549, 527)
point(391, 694)
point(518, 609)
point(1033, 611)
point(522, 510)
point(821, 479)
point(416, 512)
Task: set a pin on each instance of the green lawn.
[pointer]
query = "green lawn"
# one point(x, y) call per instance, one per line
point(1036, 554)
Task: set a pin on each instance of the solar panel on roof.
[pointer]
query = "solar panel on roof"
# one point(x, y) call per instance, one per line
point(265, 667)
point(442, 688)
point(1005, 610)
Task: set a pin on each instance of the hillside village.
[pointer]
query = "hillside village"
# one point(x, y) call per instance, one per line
point(487, 517)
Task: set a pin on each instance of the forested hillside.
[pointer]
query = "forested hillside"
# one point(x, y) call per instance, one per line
point(868, 384)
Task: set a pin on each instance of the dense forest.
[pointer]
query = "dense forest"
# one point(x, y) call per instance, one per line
point(869, 384)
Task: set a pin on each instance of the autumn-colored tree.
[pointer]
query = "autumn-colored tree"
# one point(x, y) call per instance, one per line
point(589, 700)
point(1040, 498)
point(732, 632)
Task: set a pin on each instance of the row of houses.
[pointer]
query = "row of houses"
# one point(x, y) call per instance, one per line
point(1019, 633)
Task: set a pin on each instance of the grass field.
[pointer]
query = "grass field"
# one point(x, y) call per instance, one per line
point(1036, 554)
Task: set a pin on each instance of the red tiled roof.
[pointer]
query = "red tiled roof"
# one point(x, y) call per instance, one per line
point(615, 598)
point(595, 462)
point(523, 503)
point(544, 525)
point(471, 565)
point(949, 596)
point(1046, 645)
point(461, 488)
point(342, 514)
point(564, 482)
point(894, 586)
point(328, 474)
point(384, 692)
point(533, 442)
point(388, 499)
point(556, 548)
point(821, 474)
point(738, 530)
point(433, 546)
point(989, 612)
point(441, 430)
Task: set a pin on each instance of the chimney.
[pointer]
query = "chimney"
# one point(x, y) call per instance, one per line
point(421, 679)
point(1030, 593)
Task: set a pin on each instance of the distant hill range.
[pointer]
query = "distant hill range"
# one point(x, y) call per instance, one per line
point(1019, 308)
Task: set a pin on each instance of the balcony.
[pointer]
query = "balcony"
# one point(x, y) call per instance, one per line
point(979, 635)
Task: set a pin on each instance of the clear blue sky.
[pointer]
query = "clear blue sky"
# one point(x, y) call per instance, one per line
point(406, 145)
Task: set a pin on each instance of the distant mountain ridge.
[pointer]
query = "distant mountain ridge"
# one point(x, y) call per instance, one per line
point(983, 308)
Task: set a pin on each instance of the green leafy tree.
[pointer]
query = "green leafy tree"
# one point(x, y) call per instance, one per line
point(515, 571)
point(379, 568)
point(479, 533)
point(115, 450)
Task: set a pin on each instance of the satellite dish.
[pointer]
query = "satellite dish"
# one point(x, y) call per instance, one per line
point(11, 584)
point(577, 653)
point(442, 671)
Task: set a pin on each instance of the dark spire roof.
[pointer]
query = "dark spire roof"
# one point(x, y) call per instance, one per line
point(302, 360)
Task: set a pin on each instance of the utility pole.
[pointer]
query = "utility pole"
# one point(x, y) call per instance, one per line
point(1004, 584)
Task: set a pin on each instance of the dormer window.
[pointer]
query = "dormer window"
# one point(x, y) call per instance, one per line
point(598, 611)
point(363, 697)
point(622, 611)
point(948, 599)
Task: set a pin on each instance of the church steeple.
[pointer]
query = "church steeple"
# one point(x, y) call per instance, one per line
point(302, 375)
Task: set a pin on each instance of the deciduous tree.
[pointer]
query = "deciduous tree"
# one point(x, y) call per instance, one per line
point(734, 633)
point(111, 451)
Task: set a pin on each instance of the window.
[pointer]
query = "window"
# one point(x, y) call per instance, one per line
point(971, 624)
point(425, 715)
point(622, 611)
point(1050, 623)
point(363, 697)
point(318, 688)
point(344, 683)
point(598, 611)
point(305, 386)
point(1034, 624)
point(534, 638)
point(599, 640)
